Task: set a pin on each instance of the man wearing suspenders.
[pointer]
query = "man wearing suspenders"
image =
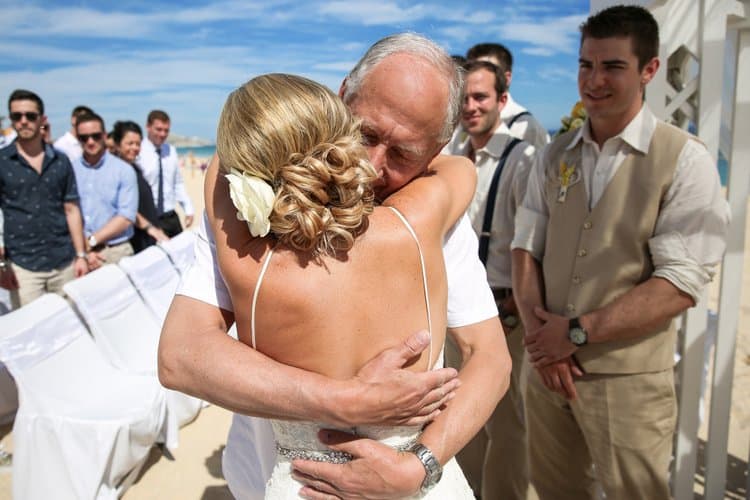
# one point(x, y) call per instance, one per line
point(495, 461)
point(518, 119)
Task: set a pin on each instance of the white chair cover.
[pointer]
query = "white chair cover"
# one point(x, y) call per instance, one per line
point(125, 330)
point(83, 428)
point(154, 277)
point(180, 250)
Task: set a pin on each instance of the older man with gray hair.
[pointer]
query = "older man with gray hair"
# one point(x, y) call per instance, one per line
point(396, 89)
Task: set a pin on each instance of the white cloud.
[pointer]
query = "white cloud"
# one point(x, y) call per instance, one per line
point(371, 12)
point(558, 34)
point(341, 66)
point(558, 74)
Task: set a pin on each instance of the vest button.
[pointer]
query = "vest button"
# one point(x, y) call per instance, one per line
point(587, 224)
point(576, 279)
point(582, 252)
point(570, 308)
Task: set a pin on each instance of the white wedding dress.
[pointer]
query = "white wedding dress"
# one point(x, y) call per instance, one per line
point(300, 439)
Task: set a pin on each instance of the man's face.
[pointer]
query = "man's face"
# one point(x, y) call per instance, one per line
point(402, 104)
point(26, 119)
point(92, 137)
point(158, 131)
point(609, 81)
point(482, 105)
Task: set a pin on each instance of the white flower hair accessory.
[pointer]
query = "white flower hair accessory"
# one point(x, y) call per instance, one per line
point(253, 198)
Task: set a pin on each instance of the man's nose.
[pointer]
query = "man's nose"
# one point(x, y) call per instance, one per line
point(377, 156)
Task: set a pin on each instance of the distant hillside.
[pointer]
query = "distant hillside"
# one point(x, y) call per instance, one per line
point(181, 141)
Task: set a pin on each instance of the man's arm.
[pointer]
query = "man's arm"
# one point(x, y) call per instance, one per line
point(637, 313)
point(197, 357)
point(75, 228)
point(528, 292)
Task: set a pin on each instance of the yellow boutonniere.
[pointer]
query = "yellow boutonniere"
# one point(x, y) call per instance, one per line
point(566, 173)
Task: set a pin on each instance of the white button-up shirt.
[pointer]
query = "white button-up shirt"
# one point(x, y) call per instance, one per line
point(173, 187)
point(691, 228)
point(68, 144)
point(510, 193)
point(526, 128)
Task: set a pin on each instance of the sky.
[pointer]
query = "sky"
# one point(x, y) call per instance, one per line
point(127, 57)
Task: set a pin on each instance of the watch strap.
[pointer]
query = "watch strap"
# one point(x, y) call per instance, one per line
point(432, 467)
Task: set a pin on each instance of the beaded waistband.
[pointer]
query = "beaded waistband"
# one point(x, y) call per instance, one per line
point(330, 456)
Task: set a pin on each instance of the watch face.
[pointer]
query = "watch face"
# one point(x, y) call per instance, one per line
point(577, 336)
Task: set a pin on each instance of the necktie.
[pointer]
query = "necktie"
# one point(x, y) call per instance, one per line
point(160, 192)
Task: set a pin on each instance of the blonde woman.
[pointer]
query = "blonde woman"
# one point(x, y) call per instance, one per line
point(321, 261)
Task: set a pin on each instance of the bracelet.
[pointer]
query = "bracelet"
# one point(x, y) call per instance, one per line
point(147, 227)
point(3, 265)
point(81, 255)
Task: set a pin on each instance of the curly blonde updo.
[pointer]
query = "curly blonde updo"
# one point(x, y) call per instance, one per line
point(299, 137)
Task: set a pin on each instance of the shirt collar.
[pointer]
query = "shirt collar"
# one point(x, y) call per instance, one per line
point(97, 164)
point(637, 134)
point(494, 146)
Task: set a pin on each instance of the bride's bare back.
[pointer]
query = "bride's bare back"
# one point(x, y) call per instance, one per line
point(332, 312)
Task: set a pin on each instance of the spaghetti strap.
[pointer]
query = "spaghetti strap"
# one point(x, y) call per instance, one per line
point(424, 279)
point(255, 294)
point(424, 285)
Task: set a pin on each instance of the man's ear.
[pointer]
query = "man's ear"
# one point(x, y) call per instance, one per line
point(649, 70)
point(342, 89)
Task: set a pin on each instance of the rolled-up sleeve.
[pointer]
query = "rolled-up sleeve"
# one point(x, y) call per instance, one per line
point(532, 216)
point(691, 230)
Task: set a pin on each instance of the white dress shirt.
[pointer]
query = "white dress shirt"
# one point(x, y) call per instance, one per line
point(690, 233)
point(510, 193)
point(173, 187)
point(526, 128)
point(68, 144)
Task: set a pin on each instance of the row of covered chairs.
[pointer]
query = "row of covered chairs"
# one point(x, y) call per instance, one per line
point(90, 403)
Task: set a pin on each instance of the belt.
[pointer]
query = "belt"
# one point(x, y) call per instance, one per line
point(171, 213)
point(502, 293)
point(102, 246)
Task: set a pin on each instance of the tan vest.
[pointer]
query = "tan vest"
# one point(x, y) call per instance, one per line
point(594, 256)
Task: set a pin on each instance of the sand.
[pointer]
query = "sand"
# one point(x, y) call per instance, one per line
point(195, 472)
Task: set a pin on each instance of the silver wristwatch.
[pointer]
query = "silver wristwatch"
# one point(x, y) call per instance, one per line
point(433, 469)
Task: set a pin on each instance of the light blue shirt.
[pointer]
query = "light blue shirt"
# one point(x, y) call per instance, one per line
point(106, 189)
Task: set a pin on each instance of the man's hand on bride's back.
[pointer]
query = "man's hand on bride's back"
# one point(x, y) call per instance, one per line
point(384, 393)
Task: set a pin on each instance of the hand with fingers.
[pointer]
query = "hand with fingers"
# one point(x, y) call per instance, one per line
point(550, 343)
point(376, 472)
point(558, 377)
point(388, 394)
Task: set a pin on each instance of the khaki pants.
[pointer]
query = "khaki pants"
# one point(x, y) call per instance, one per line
point(34, 284)
point(495, 461)
point(113, 254)
point(618, 433)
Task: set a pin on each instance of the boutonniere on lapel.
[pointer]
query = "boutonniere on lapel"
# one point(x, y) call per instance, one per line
point(567, 173)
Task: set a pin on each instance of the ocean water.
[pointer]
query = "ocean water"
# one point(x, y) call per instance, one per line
point(208, 152)
point(198, 151)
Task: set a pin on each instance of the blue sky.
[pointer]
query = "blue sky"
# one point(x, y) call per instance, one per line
point(127, 57)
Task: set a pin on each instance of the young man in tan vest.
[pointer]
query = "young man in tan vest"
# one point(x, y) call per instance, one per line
point(495, 461)
point(622, 226)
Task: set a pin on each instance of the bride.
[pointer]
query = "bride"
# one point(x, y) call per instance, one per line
point(325, 279)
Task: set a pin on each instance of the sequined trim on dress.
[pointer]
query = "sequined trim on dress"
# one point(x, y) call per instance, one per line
point(330, 456)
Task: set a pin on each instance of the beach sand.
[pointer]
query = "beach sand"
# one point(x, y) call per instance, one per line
point(195, 472)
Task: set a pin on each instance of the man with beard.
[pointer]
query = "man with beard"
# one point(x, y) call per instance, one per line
point(44, 247)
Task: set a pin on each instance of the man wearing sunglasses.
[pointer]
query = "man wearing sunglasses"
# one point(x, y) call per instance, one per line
point(109, 194)
point(44, 247)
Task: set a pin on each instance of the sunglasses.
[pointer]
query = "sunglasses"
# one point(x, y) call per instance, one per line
point(84, 138)
point(30, 115)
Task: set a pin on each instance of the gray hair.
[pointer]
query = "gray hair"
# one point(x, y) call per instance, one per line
point(422, 47)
